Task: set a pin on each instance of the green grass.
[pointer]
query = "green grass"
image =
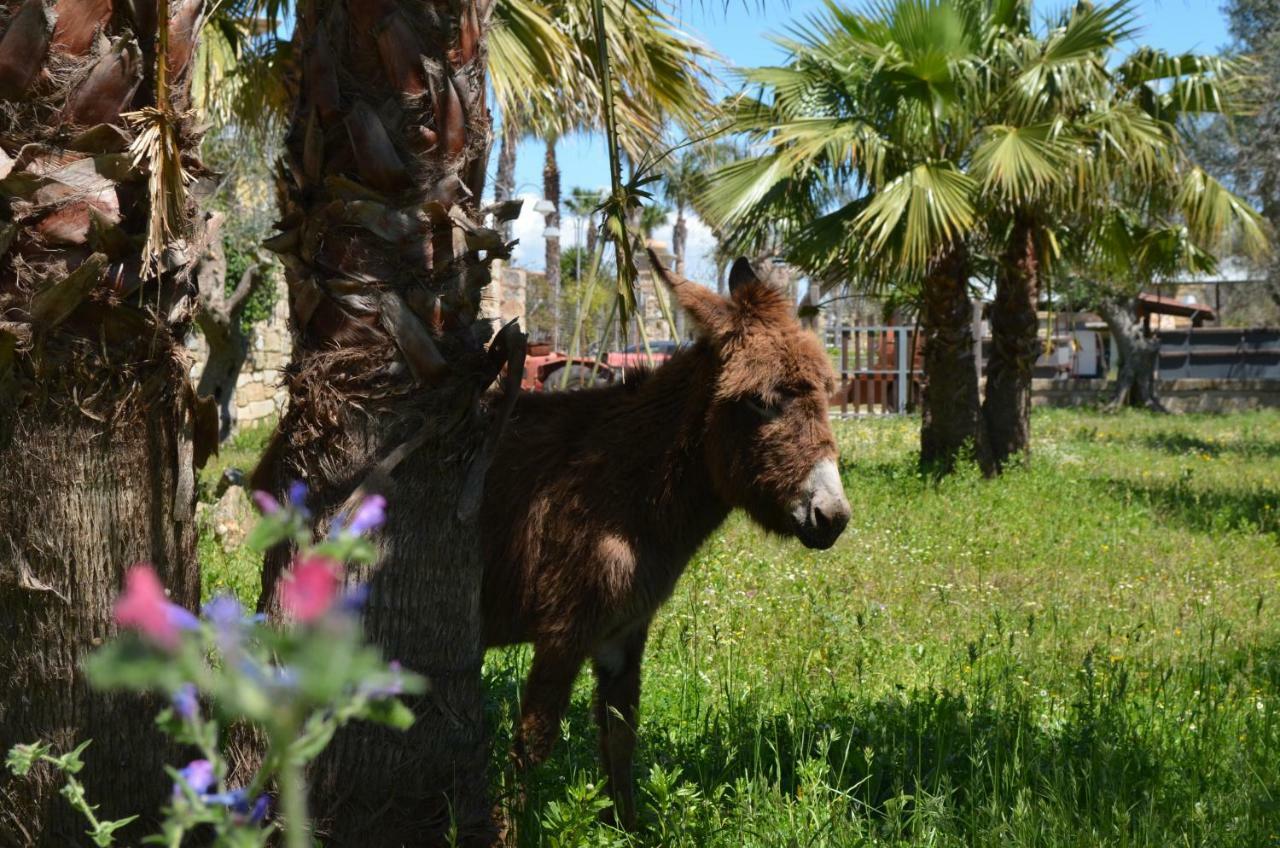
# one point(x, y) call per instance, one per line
point(238, 571)
point(1084, 652)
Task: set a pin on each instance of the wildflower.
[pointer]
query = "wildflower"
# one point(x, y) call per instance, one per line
point(197, 775)
point(310, 588)
point(370, 515)
point(297, 498)
point(261, 807)
point(145, 608)
point(185, 703)
point(265, 502)
point(224, 611)
point(389, 689)
point(353, 600)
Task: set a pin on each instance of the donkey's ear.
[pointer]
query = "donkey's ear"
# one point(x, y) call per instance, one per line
point(741, 274)
point(711, 312)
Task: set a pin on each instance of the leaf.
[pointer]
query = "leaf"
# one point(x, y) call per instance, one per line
point(390, 712)
point(102, 834)
point(54, 304)
point(21, 758)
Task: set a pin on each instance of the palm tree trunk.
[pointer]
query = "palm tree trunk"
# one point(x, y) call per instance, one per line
point(551, 191)
point(950, 414)
point(98, 423)
point(384, 166)
point(1006, 409)
point(679, 244)
point(504, 183)
point(1139, 353)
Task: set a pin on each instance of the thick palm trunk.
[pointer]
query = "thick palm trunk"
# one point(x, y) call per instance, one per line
point(551, 191)
point(98, 424)
point(950, 414)
point(384, 166)
point(1139, 353)
point(1006, 408)
point(504, 182)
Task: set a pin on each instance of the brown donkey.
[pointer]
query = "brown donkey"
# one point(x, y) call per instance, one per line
point(597, 499)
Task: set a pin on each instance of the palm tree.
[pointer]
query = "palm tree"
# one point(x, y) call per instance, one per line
point(651, 217)
point(1101, 136)
point(100, 432)
point(385, 257)
point(934, 142)
point(863, 141)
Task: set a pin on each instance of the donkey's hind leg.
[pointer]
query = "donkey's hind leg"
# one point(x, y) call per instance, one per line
point(617, 668)
point(546, 698)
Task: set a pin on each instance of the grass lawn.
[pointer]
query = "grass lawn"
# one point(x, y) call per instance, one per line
point(1085, 652)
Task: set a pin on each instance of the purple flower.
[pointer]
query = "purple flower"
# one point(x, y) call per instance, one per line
point(224, 611)
point(353, 600)
point(229, 621)
point(388, 689)
point(369, 515)
point(197, 775)
point(297, 498)
point(185, 703)
point(261, 807)
point(236, 800)
point(266, 503)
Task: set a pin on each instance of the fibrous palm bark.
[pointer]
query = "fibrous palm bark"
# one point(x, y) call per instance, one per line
point(99, 427)
point(950, 414)
point(384, 166)
point(1006, 405)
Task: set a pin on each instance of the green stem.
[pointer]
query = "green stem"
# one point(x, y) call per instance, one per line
point(293, 803)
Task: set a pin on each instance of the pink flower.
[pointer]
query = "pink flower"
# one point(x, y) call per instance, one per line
point(145, 608)
point(311, 587)
point(265, 502)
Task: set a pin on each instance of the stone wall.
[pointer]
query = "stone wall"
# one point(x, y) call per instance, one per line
point(259, 394)
point(1177, 395)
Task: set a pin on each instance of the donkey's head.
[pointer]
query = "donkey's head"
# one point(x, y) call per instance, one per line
point(768, 441)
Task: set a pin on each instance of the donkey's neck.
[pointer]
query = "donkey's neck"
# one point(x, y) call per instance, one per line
point(666, 416)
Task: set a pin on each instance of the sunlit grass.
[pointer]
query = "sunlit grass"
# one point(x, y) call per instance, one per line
point(1082, 653)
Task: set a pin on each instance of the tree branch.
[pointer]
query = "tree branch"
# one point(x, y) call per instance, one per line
point(248, 281)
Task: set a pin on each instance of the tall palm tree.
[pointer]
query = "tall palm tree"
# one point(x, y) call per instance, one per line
point(863, 141)
point(935, 141)
point(1101, 135)
point(100, 431)
point(383, 171)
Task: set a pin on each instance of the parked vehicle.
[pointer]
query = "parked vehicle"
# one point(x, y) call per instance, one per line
point(634, 356)
point(546, 369)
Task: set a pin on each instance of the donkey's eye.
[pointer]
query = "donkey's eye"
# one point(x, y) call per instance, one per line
point(764, 409)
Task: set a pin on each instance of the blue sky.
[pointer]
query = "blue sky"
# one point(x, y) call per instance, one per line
point(739, 32)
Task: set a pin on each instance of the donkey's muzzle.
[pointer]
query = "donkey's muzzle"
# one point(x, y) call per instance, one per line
point(822, 511)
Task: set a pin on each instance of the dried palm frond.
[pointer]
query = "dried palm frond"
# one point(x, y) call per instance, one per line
point(156, 149)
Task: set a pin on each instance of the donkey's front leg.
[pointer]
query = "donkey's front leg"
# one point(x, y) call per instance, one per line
point(546, 698)
point(617, 668)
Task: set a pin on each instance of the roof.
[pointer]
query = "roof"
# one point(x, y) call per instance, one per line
point(1154, 304)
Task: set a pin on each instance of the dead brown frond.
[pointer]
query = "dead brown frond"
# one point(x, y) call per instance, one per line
point(156, 148)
